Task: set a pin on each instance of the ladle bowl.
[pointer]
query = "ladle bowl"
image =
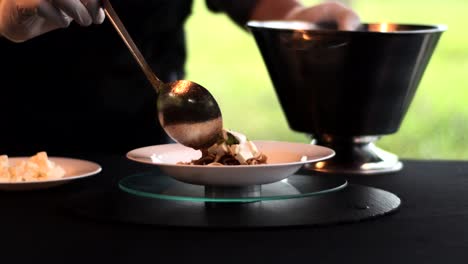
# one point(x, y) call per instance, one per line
point(186, 110)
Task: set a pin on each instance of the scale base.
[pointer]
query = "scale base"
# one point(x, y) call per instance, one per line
point(355, 155)
point(352, 203)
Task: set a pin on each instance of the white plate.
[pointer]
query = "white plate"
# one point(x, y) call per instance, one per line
point(74, 169)
point(284, 159)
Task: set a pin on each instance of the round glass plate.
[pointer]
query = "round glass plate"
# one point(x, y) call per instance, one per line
point(160, 186)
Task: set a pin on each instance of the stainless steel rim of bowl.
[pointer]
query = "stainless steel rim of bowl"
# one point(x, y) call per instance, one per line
point(278, 25)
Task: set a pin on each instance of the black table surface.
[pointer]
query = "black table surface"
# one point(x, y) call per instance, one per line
point(431, 226)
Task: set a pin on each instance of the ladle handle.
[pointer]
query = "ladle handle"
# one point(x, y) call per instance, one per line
point(115, 20)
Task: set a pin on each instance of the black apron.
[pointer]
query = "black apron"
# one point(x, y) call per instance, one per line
point(78, 90)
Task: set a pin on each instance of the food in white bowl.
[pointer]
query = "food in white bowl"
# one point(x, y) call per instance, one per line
point(284, 159)
point(233, 148)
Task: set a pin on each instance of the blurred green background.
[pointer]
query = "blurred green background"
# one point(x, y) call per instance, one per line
point(224, 58)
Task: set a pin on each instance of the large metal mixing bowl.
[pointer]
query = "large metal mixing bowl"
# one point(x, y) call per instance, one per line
point(346, 88)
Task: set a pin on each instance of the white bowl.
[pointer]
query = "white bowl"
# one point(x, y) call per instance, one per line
point(284, 159)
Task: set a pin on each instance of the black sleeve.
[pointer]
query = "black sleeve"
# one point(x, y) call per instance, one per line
point(238, 10)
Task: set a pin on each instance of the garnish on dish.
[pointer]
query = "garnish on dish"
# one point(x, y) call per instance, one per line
point(233, 148)
point(34, 168)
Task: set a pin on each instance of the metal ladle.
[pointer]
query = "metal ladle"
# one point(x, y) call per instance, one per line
point(186, 110)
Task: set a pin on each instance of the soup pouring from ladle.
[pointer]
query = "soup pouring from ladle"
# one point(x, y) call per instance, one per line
point(186, 110)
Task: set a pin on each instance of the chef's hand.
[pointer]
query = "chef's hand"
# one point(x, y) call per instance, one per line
point(335, 12)
point(21, 20)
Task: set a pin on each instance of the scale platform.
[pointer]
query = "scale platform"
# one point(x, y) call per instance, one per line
point(152, 198)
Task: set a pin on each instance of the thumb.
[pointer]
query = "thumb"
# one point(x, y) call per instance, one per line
point(14, 13)
point(24, 9)
point(19, 19)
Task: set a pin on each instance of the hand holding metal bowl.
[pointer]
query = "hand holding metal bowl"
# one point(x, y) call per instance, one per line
point(346, 88)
